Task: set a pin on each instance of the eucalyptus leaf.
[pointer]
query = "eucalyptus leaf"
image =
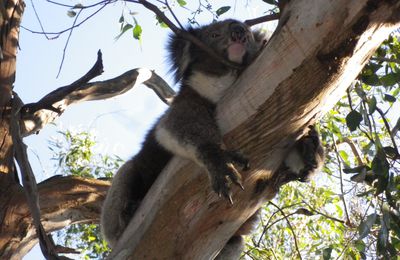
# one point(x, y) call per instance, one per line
point(371, 105)
point(222, 10)
point(389, 98)
point(353, 120)
point(365, 227)
point(71, 13)
point(327, 253)
point(137, 32)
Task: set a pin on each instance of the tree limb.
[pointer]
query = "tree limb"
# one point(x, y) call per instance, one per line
point(35, 116)
point(262, 19)
point(63, 201)
point(290, 227)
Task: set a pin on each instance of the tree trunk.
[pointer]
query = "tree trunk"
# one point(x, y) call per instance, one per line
point(318, 49)
point(11, 12)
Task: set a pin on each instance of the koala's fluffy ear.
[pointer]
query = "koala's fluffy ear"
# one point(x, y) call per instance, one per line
point(179, 54)
point(260, 40)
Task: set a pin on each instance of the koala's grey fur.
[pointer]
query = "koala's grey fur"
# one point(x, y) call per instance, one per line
point(188, 128)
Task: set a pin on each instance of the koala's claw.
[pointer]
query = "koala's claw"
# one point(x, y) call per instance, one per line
point(222, 179)
point(238, 158)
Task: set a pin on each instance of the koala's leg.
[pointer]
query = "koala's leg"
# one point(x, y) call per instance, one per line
point(118, 207)
point(130, 185)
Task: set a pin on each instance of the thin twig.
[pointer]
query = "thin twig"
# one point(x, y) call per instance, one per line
point(267, 225)
point(70, 28)
point(262, 19)
point(290, 227)
point(39, 21)
point(323, 214)
point(173, 14)
point(349, 98)
point(66, 43)
point(82, 6)
point(353, 149)
point(387, 126)
point(341, 182)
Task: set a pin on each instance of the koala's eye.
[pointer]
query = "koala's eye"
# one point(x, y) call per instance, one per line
point(214, 35)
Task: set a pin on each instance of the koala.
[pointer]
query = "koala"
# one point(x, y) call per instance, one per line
point(303, 160)
point(188, 128)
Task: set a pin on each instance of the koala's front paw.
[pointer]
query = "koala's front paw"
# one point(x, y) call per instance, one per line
point(222, 179)
point(311, 152)
point(238, 158)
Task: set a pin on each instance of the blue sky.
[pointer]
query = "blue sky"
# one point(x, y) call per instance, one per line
point(118, 123)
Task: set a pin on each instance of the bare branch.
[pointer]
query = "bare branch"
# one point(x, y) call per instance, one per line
point(353, 149)
point(262, 19)
point(290, 227)
point(35, 116)
point(67, 41)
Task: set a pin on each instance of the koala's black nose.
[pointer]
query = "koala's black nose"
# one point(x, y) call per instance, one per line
point(238, 32)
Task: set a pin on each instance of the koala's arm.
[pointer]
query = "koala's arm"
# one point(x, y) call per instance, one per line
point(303, 160)
point(189, 129)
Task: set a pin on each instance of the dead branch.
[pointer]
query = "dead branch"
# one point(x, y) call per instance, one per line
point(63, 201)
point(35, 116)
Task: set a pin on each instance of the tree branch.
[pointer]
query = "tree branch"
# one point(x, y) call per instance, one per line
point(262, 19)
point(64, 201)
point(290, 227)
point(35, 116)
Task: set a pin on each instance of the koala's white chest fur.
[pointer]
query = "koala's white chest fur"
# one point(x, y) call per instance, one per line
point(211, 87)
point(172, 143)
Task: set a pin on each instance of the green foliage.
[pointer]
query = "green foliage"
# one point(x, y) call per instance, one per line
point(220, 11)
point(133, 25)
point(75, 155)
